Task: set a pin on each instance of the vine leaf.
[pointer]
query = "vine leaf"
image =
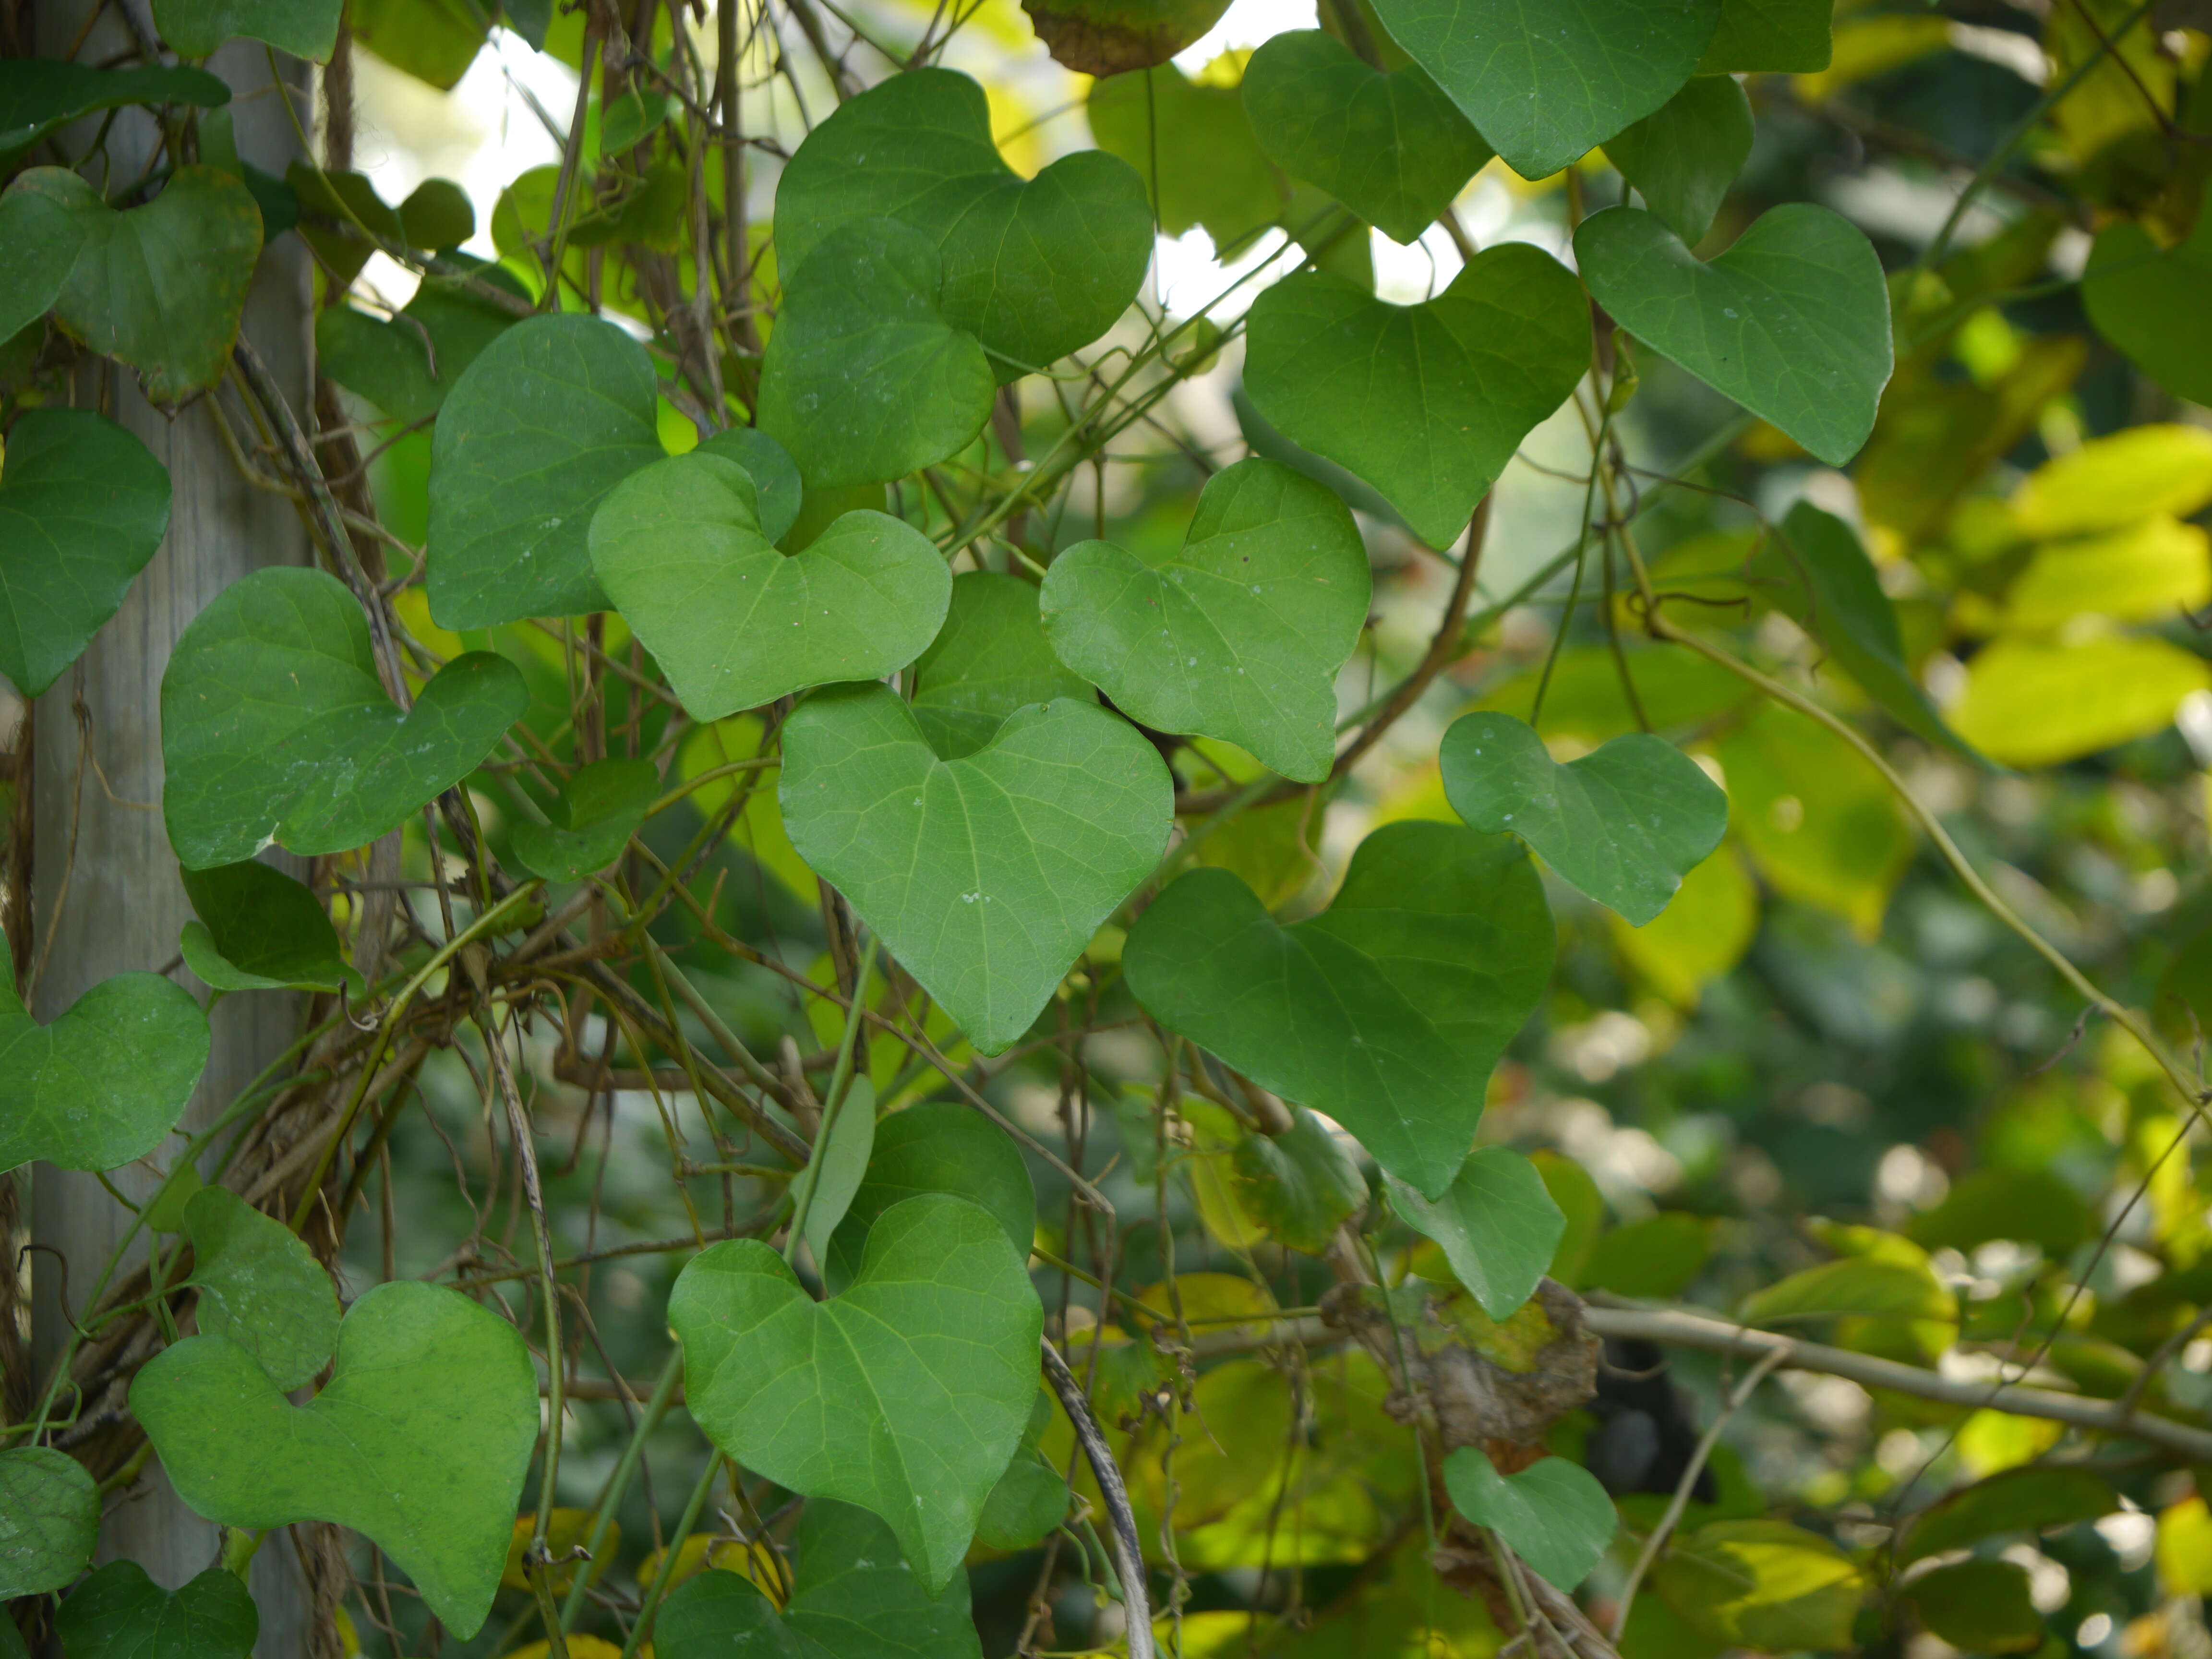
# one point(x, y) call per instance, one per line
point(1390, 146)
point(305, 28)
point(407, 366)
point(941, 1147)
point(843, 1156)
point(1031, 1498)
point(551, 416)
point(1498, 1222)
point(1624, 824)
point(1685, 155)
point(1840, 603)
point(1762, 1584)
point(49, 1520)
point(598, 811)
point(1773, 37)
point(1792, 321)
point(906, 1394)
point(1112, 36)
point(160, 286)
point(419, 1442)
point(260, 930)
point(1299, 1185)
point(84, 505)
point(260, 1286)
point(1543, 84)
point(2148, 301)
point(866, 378)
point(102, 1085)
point(121, 1613)
point(39, 242)
point(774, 475)
point(39, 94)
point(1553, 1514)
point(275, 726)
point(989, 658)
point(1237, 634)
point(1426, 402)
point(853, 1597)
point(1032, 268)
point(985, 876)
point(1386, 1010)
point(733, 623)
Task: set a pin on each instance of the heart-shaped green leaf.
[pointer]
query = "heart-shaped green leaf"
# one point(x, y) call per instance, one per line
point(938, 1148)
point(1031, 1498)
point(1032, 268)
point(38, 94)
point(602, 808)
point(1829, 584)
point(405, 367)
point(1553, 1514)
point(261, 1287)
point(1624, 824)
point(419, 1442)
point(39, 240)
point(1498, 1222)
point(1299, 1185)
point(160, 286)
point(275, 726)
point(83, 505)
point(1770, 37)
point(865, 378)
point(2149, 302)
point(260, 930)
point(552, 415)
point(1543, 84)
point(305, 28)
point(1391, 148)
point(989, 658)
point(1386, 1010)
point(1237, 634)
point(1193, 145)
point(49, 1520)
point(679, 549)
point(987, 875)
point(853, 1597)
point(1685, 155)
point(104, 1083)
point(1426, 403)
point(906, 1395)
point(1792, 321)
point(120, 1613)
point(773, 473)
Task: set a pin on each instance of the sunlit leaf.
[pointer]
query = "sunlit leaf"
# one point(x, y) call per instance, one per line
point(2037, 702)
point(2150, 571)
point(1764, 1585)
point(906, 1394)
point(1236, 635)
point(2113, 481)
point(419, 1442)
point(1386, 1010)
point(1699, 936)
